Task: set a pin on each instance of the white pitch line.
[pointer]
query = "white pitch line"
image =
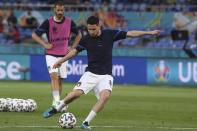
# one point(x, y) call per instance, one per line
point(177, 128)
point(29, 126)
point(171, 128)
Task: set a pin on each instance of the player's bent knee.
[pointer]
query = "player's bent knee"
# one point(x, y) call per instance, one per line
point(105, 95)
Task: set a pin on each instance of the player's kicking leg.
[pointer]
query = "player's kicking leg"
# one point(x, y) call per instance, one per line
point(96, 109)
point(69, 98)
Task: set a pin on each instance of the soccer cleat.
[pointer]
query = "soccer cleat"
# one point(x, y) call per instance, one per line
point(85, 126)
point(49, 112)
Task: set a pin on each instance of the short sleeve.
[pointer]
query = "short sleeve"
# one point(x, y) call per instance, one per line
point(118, 35)
point(43, 28)
point(81, 46)
point(74, 28)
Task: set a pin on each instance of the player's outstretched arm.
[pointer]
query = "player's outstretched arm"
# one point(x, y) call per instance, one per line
point(136, 33)
point(70, 55)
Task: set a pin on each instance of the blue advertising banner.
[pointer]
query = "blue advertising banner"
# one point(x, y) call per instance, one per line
point(39, 71)
point(9, 67)
point(125, 70)
point(181, 72)
point(129, 70)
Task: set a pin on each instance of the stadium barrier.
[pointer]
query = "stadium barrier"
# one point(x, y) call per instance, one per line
point(125, 52)
point(126, 70)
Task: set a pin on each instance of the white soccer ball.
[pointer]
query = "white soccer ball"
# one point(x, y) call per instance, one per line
point(67, 120)
point(11, 106)
point(3, 104)
point(31, 105)
point(18, 106)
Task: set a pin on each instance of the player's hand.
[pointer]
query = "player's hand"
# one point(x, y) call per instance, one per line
point(57, 64)
point(48, 46)
point(156, 32)
point(69, 49)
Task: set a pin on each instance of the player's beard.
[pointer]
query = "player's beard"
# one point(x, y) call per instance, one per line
point(59, 16)
point(95, 34)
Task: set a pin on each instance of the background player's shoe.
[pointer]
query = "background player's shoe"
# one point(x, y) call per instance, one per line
point(85, 126)
point(54, 103)
point(49, 112)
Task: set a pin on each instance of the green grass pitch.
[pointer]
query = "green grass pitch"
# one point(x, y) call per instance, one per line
point(130, 108)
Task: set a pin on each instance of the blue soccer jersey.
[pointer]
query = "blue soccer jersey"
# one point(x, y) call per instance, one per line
point(99, 50)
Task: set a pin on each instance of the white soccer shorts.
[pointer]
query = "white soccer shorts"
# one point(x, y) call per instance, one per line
point(96, 83)
point(62, 70)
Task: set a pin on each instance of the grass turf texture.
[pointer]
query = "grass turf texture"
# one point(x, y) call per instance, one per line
point(130, 108)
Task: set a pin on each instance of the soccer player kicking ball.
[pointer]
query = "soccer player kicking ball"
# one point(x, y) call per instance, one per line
point(98, 76)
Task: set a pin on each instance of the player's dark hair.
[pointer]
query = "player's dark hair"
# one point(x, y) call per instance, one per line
point(58, 3)
point(93, 20)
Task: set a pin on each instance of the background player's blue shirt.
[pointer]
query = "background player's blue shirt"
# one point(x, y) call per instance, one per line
point(99, 50)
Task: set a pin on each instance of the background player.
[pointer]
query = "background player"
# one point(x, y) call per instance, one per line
point(58, 30)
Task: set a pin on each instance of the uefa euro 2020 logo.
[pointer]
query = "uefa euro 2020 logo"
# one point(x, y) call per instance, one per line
point(161, 71)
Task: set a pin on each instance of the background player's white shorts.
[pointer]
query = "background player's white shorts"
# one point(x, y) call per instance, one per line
point(62, 70)
point(93, 82)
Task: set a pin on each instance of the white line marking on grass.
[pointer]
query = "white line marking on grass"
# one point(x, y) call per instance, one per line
point(171, 128)
point(29, 126)
point(177, 128)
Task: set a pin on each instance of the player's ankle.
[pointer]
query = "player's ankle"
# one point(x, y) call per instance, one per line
point(86, 123)
point(59, 105)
